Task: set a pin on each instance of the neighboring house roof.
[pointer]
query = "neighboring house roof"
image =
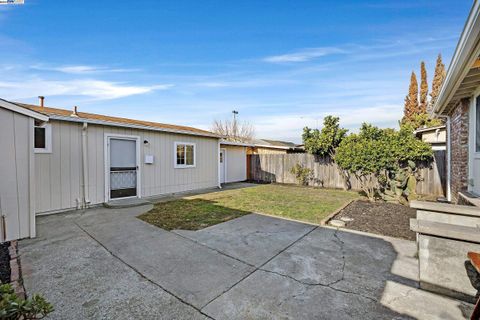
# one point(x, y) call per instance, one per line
point(235, 143)
point(463, 75)
point(29, 113)
point(264, 143)
point(69, 115)
point(420, 130)
point(275, 144)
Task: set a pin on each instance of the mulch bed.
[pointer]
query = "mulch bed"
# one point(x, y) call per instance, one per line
point(4, 263)
point(386, 219)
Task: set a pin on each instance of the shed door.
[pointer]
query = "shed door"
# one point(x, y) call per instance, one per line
point(123, 168)
point(222, 165)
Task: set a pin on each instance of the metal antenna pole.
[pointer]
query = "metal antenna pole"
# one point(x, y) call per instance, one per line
point(235, 112)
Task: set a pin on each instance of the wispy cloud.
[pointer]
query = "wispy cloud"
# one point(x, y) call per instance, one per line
point(95, 89)
point(81, 69)
point(304, 55)
point(290, 126)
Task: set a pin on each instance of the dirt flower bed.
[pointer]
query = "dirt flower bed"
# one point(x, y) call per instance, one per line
point(4, 263)
point(386, 219)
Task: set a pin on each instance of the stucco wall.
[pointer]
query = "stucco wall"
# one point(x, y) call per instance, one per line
point(59, 174)
point(16, 172)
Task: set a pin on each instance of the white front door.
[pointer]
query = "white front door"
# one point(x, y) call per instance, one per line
point(475, 148)
point(122, 167)
point(222, 165)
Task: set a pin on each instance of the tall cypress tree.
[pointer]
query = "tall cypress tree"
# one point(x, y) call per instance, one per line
point(411, 100)
point(438, 78)
point(423, 89)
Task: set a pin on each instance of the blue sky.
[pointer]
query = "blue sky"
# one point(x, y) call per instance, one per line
point(282, 64)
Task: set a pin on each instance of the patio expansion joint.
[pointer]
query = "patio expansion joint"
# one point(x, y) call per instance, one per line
point(259, 268)
point(141, 275)
point(213, 249)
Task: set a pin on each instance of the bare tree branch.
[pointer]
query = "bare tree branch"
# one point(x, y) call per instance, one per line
point(233, 130)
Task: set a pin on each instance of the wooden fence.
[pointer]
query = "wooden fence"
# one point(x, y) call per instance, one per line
point(325, 173)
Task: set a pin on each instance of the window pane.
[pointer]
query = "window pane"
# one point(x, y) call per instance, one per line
point(40, 138)
point(221, 157)
point(180, 154)
point(477, 126)
point(190, 155)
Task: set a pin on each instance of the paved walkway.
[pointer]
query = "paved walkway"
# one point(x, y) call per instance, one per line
point(107, 264)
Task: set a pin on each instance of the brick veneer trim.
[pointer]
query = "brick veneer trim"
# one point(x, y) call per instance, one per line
point(459, 148)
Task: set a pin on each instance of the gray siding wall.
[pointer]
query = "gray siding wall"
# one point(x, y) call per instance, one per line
point(16, 168)
point(59, 174)
point(236, 163)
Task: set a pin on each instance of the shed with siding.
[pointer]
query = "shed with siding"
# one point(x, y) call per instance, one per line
point(233, 161)
point(17, 169)
point(81, 159)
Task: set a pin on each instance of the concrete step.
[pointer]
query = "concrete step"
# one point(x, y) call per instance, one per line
point(125, 203)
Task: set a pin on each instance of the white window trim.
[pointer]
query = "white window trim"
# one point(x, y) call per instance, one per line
point(183, 166)
point(472, 137)
point(48, 138)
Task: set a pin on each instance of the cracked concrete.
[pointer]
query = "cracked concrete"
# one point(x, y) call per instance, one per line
point(105, 263)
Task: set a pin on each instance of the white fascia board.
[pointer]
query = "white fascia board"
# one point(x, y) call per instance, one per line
point(27, 112)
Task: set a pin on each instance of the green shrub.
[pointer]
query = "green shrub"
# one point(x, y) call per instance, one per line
point(323, 142)
point(302, 174)
point(14, 308)
point(373, 153)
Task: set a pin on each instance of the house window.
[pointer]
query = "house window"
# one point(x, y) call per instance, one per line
point(43, 137)
point(184, 155)
point(477, 126)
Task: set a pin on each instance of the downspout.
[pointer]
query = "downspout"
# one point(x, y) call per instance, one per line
point(86, 199)
point(218, 165)
point(449, 158)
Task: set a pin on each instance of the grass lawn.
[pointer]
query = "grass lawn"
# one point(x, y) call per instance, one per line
point(294, 202)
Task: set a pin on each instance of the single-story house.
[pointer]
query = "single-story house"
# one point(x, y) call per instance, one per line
point(435, 136)
point(56, 160)
point(459, 103)
point(447, 232)
point(264, 146)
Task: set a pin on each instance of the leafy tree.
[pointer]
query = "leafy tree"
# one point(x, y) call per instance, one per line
point(323, 142)
point(422, 120)
point(372, 153)
point(411, 100)
point(438, 78)
point(423, 89)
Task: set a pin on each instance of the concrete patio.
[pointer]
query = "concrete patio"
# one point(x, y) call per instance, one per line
point(106, 263)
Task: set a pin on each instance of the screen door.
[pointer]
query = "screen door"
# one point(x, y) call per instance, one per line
point(123, 168)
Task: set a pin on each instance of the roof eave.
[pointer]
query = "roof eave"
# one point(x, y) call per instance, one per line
point(466, 52)
point(420, 130)
point(27, 112)
point(133, 126)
